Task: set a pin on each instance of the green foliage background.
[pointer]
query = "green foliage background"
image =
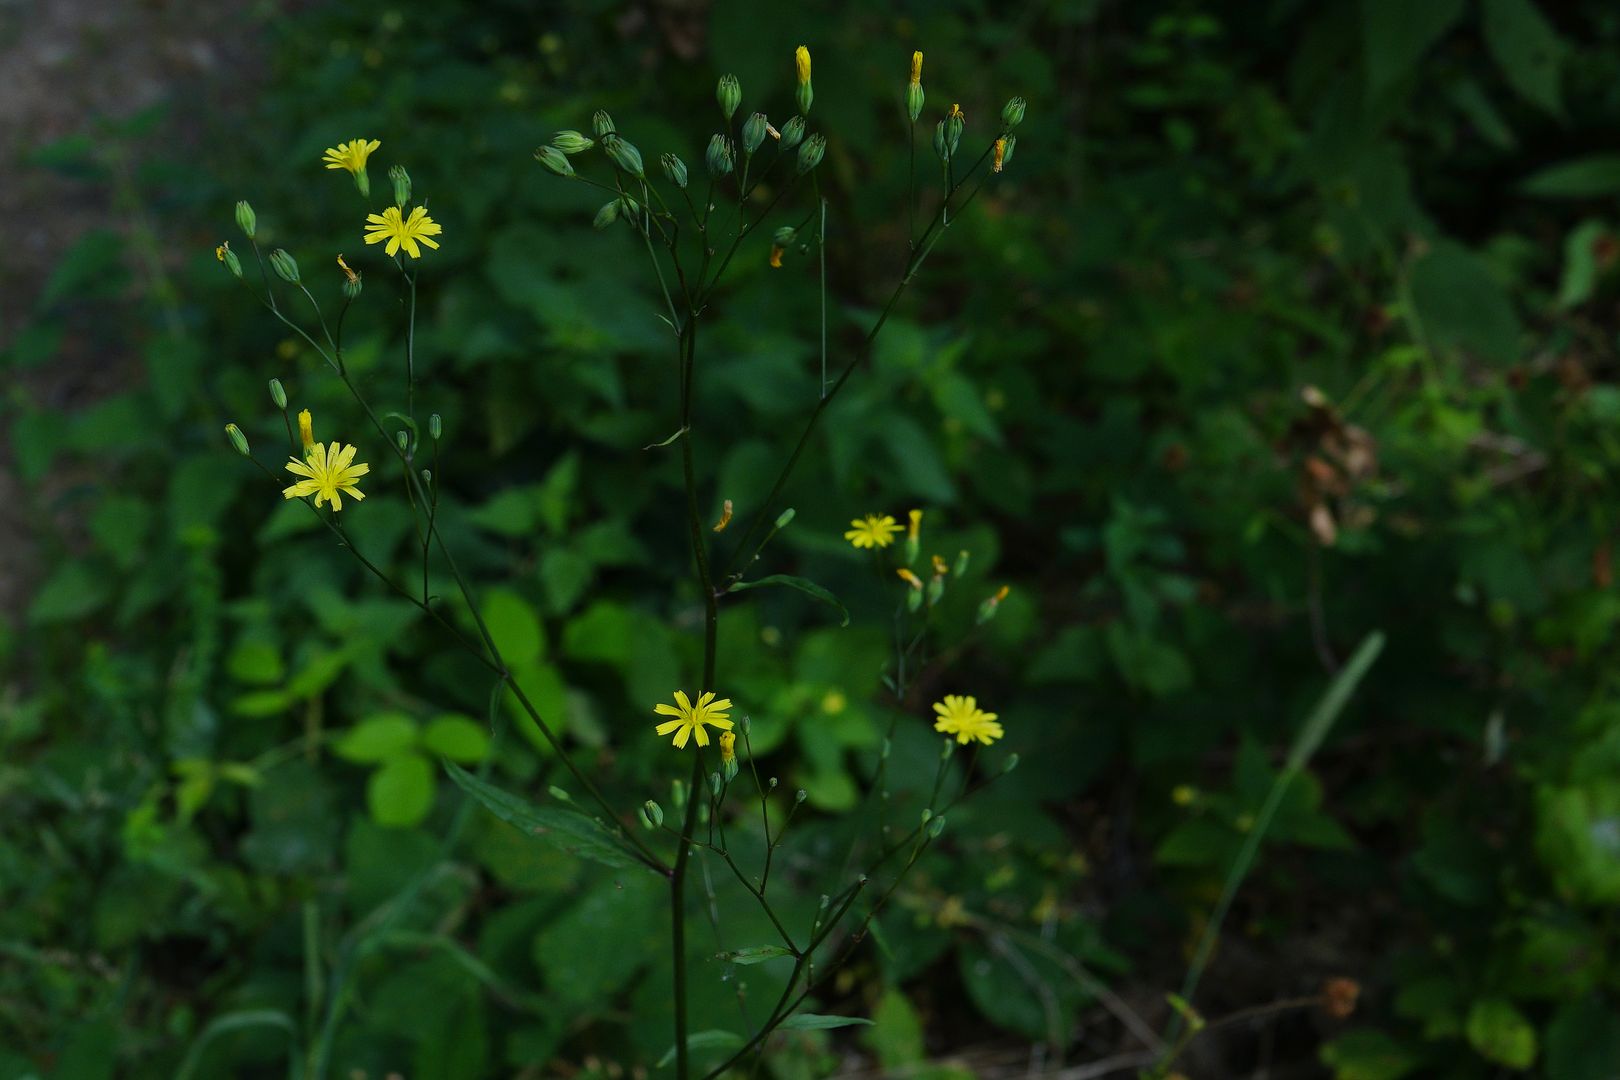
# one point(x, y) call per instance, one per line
point(1261, 271)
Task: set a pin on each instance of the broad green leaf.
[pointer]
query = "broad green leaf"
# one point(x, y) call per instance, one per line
point(376, 738)
point(1369, 1055)
point(1501, 1033)
point(1527, 49)
point(809, 588)
point(400, 793)
point(514, 625)
point(457, 737)
point(1396, 33)
point(567, 829)
point(1583, 1040)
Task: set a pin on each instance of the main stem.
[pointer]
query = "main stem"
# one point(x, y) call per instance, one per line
point(700, 557)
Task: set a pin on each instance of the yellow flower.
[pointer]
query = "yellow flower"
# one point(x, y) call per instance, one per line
point(401, 231)
point(1001, 150)
point(916, 515)
point(956, 113)
point(801, 60)
point(350, 155)
point(690, 719)
point(306, 430)
point(728, 746)
point(909, 578)
point(872, 531)
point(916, 69)
point(219, 252)
point(328, 475)
point(962, 717)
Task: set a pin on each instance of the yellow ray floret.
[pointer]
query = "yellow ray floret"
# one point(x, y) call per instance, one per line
point(962, 717)
point(350, 155)
point(873, 531)
point(328, 475)
point(801, 62)
point(690, 719)
point(402, 232)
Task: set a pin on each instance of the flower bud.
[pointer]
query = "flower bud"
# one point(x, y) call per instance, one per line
point(792, 132)
point(716, 785)
point(571, 142)
point(936, 827)
point(558, 793)
point(914, 599)
point(955, 121)
point(804, 95)
point(284, 265)
point(624, 154)
point(238, 439)
point(936, 589)
point(928, 814)
point(601, 123)
point(940, 147)
point(225, 255)
point(785, 236)
point(961, 566)
point(554, 160)
point(402, 185)
point(427, 478)
point(403, 440)
point(718, 157)
point(810, 153)
point(914, 101)
point(1012, 114)
point(652, 815)
point(246, 220)
point(1010, 764)
point(674, 169)
point(677, 794)
point(278, 393)
point(607, 215)
point(1007, 145)
point(729, 94)
point(753, 132)
point(351, 287)
point(744, 724)
point(800, 795)
point(435, 427)
point(785, 517)
point(729, 769)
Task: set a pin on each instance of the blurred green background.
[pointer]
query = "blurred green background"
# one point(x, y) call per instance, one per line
point(1290, 321)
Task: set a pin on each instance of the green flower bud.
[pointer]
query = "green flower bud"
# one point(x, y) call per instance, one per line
point(245, 219)
point(729, 94)
point(772, 783)
point(785, 236)
point(238, 439)
point(718, 157)
point(1010, 764)
point(558, 793)
point(571, 142)
point(804, 95)
point(785, 517)
point(810, 153)
point(716, 785)
point(677, 794)
point(278, 393)
point(402, 185)
point(753, 132)
point(1007, 145)
point(228, 257)
point(800, 795)
point(743, 724)
point(554, 160)
point(729, 768)
point(927, 815)
point(601, 123)
point(351, 287)
point(652, 815)
point(403, 440)
point(940, 147)
point(675, 169)
point(914, 101)
point(954, 123)
point(1012, 114)
point(792, 132)
point(607, 215)
point(936, 827)
point(427, 480)
point(914, 598)
point(435, 427)
point(284, 265)
point(961, 563)
point(936, 589)
point(624, 154)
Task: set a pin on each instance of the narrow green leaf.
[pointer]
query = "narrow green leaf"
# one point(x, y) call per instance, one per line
point(242, 1020)
point(754, 954)
point(569, 830)
point(819, 1022)
point(804, 585)
point(703, 1040)
point(666, 442)
point(1587, 177)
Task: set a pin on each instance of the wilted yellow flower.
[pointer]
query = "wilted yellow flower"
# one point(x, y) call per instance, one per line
point(348, 274)
point(872, 531)
point(725, 517)
point(916, 69)
point(350, 155)
point(328, 475)
point(776, 256)
point(728, 746)
point(690, 719)
point(916, 515)
point(402, 231)
point(801, 60)
point(909, 578)
point(941, 567)
point(962, 717)
point(1001, 150)
point(219, 252)
point(306, 430)
point(956, 113)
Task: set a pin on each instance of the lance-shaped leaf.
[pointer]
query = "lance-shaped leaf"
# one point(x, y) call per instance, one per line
point(569, 830)
point(809, 588)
